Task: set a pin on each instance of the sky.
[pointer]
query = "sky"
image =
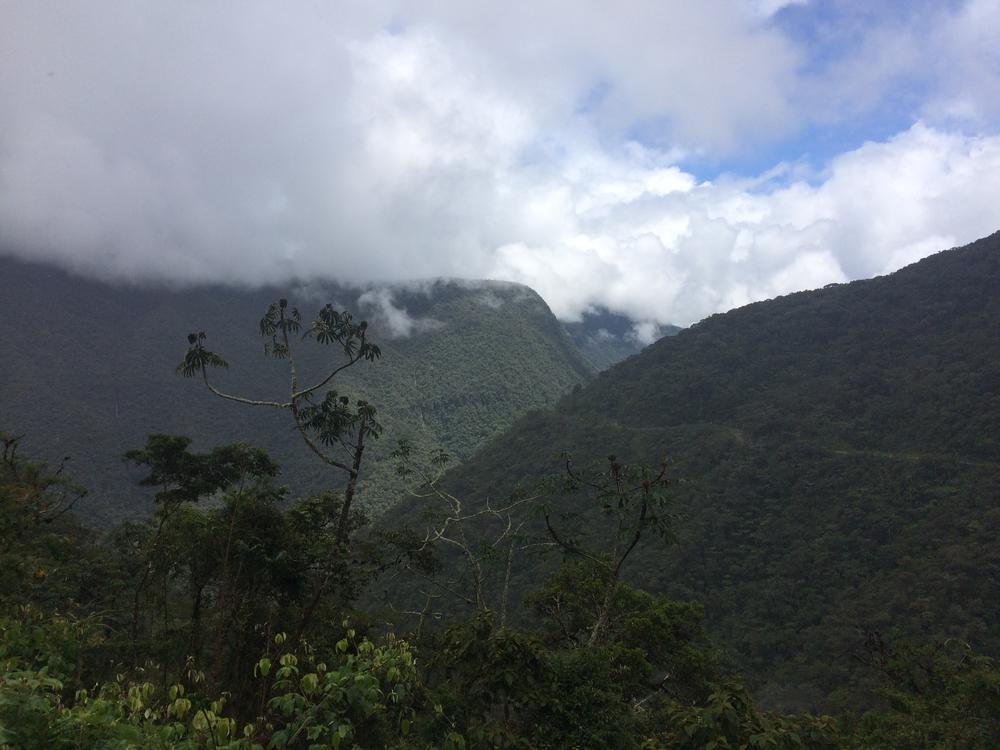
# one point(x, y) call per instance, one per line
point(665, 160)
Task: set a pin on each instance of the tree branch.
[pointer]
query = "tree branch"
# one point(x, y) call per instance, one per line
point(241, 399)
point(324, 381)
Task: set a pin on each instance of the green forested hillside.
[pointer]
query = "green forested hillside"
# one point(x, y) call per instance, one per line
point(835, 458)
point(832, 476)
point(88, 371)
point(606, 338)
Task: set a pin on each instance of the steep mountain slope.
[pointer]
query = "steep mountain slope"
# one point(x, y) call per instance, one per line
point(88, 370)
point(836, 464)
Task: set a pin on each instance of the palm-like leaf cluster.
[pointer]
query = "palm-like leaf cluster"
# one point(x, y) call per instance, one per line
point(197, 359)
point(332, 326)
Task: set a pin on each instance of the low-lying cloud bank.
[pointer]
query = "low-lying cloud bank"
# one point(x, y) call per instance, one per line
point(252, 143)
point(379, 308)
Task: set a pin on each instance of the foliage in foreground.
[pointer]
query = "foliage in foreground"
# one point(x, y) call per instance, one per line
point(503, 689)
point(197, 634)
point(363, 695)
point(651, 678)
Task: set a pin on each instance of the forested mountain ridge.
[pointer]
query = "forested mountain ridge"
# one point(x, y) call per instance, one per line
point(835, 457)
point(88, 370)
point(240, 616)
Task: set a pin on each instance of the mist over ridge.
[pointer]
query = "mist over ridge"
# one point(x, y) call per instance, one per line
point(656, 178)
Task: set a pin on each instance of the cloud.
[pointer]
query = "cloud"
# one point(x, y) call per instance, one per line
point(395, 322)
point(939, 62)
point(965, 59)
point(679, 257)
point(645, 332)
point(250, 142)
point(541, 143)
point(767, 8)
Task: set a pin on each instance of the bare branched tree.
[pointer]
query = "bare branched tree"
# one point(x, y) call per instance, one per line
point(48, 494)
point(488, 539)
point(490, 536)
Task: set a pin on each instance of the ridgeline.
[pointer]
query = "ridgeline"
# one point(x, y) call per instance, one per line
point(835, 459)
point(88, 372)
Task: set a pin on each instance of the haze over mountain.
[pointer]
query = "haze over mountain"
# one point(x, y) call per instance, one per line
point(606, 338)
point(835, 458)
point(88, 371)
point(665, 161)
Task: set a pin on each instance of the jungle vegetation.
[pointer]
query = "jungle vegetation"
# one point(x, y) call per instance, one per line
point(835, 459)
point(229, 619)
point(753, 543)
point(88, 372)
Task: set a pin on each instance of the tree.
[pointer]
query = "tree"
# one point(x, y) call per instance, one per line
point(37, 531)
point(633, 499)
point(490, 536)
point(334, 430)
point(185, 478)
point(487, 539)
point(933, 694)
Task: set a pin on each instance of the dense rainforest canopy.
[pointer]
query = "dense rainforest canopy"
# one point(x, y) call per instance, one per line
point(229, 620)
point(835, 458)
point(810, 566)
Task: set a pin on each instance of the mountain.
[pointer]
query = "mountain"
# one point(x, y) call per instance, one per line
point(606, 338)
point(88, 370)
point(835, 459)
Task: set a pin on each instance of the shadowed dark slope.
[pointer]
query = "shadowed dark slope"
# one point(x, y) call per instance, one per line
point(836, 462)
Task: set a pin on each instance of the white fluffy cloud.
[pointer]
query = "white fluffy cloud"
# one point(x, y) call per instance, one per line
point(713, 246)
point(248, 142)
point(940, 61)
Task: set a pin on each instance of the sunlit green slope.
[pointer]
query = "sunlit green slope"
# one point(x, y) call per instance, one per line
point(88, 370)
